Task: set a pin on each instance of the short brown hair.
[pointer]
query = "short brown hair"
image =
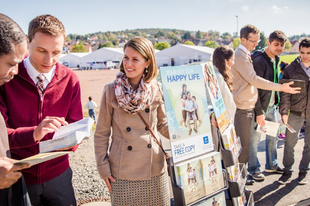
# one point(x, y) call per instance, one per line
point(247, 29)
point(46, 24)
point(144, 47)
point(277, 36)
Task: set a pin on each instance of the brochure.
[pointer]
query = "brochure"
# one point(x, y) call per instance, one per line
point(212, 172)
point(216, 97)
point(270, 128)
point(216, 200)
point(42, 157)
point(190, 178)
point(69, 135)
point(187, 111)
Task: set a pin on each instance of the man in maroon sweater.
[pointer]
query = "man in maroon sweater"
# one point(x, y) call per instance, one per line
point(44, 96)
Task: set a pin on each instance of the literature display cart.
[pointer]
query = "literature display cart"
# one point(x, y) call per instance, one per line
point(230, 149)
point(196, 170)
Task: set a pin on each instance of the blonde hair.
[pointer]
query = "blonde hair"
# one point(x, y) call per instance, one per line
point(144, 47)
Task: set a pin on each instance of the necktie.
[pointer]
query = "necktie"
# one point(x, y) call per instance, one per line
point(40, 83)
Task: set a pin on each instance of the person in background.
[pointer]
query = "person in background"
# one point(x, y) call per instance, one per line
point(91, 105)
point(223, 59)
point(13, 48)
point(134, 168)
point(266, 64)
point(295, 111)
point(43, 96)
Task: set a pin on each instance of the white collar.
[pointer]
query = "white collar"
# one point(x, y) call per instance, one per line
point(33, 73)
point(244, 49)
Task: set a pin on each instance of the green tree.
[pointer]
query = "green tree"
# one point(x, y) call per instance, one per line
point(226, 35)
point(159, 34)
point(187, 35)
point(189, 42)
point(68, 39)
point(236, 43)
point(162, 45)
point(263, 41)
point(79, 48)
point(107, 44)
point(198, 35)
point(287, 45)
point(211, 44)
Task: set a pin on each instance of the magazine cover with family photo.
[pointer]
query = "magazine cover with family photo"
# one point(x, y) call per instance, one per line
point(216, 200)
point(187, 111)
point(216, 97)
point(190, 178)
point(212, 172)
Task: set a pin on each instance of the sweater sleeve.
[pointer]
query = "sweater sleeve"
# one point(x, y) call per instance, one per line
point(20, 137)
point(75, 112)
point(247, 72)
point(102, 133)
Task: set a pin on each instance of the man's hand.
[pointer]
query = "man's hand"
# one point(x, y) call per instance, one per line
point(48, 125)
point(292, 90)
point(260, 119)
point(284, 119)
point(107, 182)
point(9, 172)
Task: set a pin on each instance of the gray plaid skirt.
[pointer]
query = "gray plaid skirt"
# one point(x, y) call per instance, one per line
point(141, 192)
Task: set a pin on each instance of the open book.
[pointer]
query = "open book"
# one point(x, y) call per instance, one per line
point(66, 136)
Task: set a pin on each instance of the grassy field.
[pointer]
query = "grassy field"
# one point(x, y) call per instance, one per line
point(288, 58)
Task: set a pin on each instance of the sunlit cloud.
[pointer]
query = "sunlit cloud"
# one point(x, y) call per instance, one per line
point(276, 9)
point(245, 8)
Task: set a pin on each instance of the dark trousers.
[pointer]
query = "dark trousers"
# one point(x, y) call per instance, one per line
point(291, 140)
point(243, 124)
point(56, 192)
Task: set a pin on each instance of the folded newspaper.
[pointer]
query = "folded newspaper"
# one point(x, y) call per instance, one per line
point(69, 135)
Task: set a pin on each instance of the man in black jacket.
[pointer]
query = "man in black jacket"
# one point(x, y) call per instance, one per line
point(295, 110)
point(266, 63)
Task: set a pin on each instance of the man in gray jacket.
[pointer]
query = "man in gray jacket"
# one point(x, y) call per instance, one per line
point(295, 110)
point(245, 82)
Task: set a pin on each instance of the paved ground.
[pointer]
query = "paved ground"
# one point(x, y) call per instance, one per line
point(267, 193)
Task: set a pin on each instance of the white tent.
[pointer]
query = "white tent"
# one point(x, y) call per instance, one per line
point(181, 54)
point(71, 60)
point(105, 57)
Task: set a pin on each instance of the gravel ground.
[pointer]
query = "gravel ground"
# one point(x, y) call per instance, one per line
point(88, 185)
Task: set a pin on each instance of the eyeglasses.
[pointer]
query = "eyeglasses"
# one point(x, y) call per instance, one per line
point(253, 42)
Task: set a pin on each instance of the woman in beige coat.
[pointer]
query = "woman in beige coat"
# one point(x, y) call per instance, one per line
point(134, 169)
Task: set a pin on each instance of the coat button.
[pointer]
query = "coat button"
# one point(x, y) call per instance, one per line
point(129, 148)
point(147, 110)
point(146, 129)
point(128, 129)
point(149, 146)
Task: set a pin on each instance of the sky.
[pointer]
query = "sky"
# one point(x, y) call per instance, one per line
point(90, 16)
